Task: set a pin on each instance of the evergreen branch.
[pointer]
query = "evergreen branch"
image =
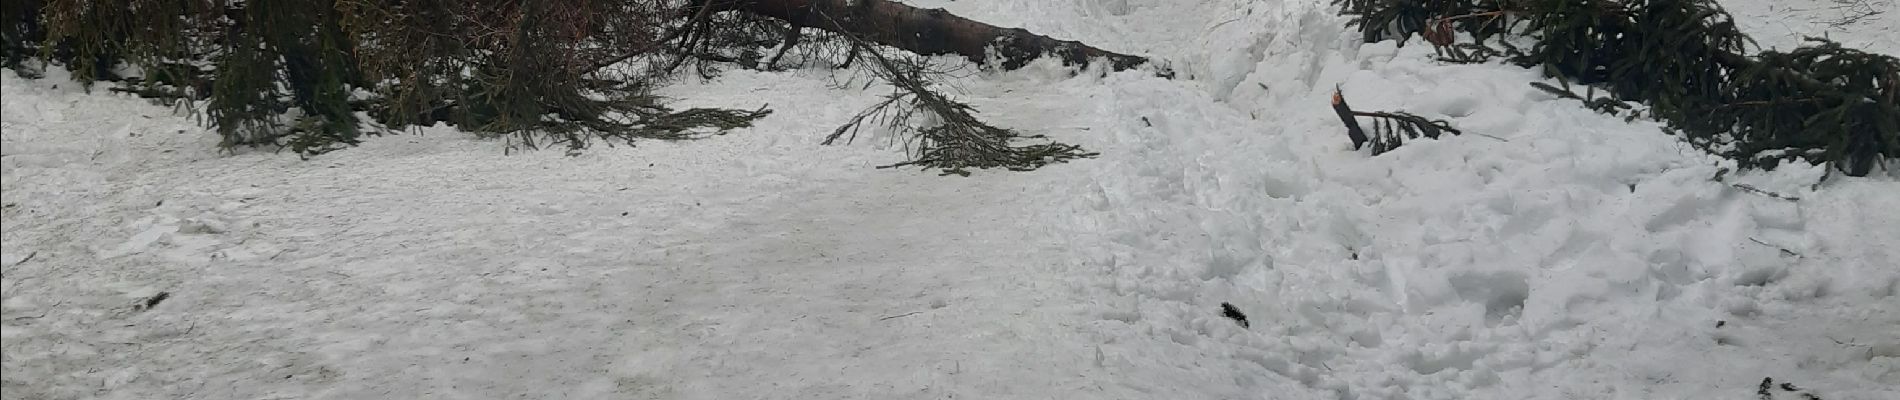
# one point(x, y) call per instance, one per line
point(957, 140)
point(1491, 16)
point(1390, 129)
point(1688, 61)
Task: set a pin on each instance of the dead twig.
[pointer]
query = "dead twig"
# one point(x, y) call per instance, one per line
point(49, 311)
point(901, 315)
point(1228, 310)
point(29, 257)
point(1493, 137)
point(1602, 104)
point(149, 302)
point(1752, 189)
point(700, 15)
point(1783, 249)
point(1854, 11)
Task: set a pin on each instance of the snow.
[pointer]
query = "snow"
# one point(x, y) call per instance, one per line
point(1565, 255)
point(749, 265)
point(1784, 25)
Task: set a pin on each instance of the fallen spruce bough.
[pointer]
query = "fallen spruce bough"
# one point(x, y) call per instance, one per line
point(1389, 129)
point(1686, 60)
point(296, 74)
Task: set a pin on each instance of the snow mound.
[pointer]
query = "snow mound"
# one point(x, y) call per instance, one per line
point(1551, 253)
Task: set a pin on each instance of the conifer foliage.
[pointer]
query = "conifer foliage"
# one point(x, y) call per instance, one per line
point(1687, 61)
point(298, 73)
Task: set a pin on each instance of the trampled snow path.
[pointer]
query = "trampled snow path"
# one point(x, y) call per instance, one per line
point(1573, 256)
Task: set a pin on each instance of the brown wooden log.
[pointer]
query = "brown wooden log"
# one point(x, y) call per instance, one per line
point(932, 32)
point(1353, 131)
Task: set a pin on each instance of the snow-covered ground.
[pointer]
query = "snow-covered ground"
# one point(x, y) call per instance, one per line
point(1566, 255)
point(1871, 25)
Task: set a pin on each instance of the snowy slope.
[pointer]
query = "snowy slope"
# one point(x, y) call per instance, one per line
point(1566, 255)
point(753, 265)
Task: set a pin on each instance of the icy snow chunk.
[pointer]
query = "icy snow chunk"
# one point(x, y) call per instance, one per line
point(1501, 292)
point(202, 225)
point(141, 241)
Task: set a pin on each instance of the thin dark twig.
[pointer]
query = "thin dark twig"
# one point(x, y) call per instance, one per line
point(901, 315)
point(687, 27)
point(1752, 189)
point(1784, 250)
point(49, 310)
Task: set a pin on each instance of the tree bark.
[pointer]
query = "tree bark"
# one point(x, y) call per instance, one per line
point(1353, 131)
point(933, 32)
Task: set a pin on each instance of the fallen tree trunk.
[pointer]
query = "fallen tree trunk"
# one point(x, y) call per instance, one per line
point(932, 32)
